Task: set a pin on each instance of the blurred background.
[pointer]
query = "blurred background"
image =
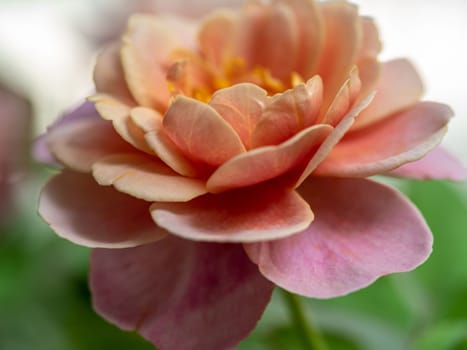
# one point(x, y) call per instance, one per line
point(47, 51)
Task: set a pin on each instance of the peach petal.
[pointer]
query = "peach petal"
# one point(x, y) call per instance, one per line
point(439, 164)
point(399, 87)
point(333, 139)
point(310, 35)
point(402, 138)
point(268, 162)
point(275, 27)
point(184, 295)
point(216, 35)
point(200, 132)
point(247, 215)
point(146, 178)
point(288, 113)
point(80, 143)
point(145, 50)
point(150, 122)
point(344, 99)
point(119, 113)
point(108, 74)
point(342, 42)
point(363, 230)
point(241, 106)
point(80, 210)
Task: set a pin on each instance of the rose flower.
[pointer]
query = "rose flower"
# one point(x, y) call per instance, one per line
point(229, 155)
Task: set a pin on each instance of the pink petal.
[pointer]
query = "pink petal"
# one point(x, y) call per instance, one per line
point(262, 212)
point(288, 113)
point(183, 295)
point(150, 122)
point(241, 106)
point(80, 210)
point(438, 164)
point(108, 74)
point(274, 28)
point(40, 149)
point(399, 87)
point(333, 139)
point(78, 144)
point(200, 132)
point(341, 44)
point(268, 162)
point(344, 99)
point(146, 49)
point(363, 230)
point(146, 178)
point(402, 138)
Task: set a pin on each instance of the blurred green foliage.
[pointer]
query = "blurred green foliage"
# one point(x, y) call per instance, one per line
point(45, 302)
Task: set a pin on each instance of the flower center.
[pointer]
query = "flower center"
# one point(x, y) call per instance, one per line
point(190, 75)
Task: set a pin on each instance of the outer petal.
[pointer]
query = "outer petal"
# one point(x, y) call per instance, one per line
point(146, 178)
point(81, 143)
point(288, 113)
point(399, 87)
point(263, 212)
point(40, 150)
point(80, 210)
point(363, 230)
point(405, 137)
point(438, 164)
point(268, 162)
point(200, 132)
point(183, 295)
point(333, 139)
point(241, 106)
point(108, 74)
point(119, 113)
point(342, 42)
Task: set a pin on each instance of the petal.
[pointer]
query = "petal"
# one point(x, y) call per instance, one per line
point(150, 121)
point(146, 48)
point(80, 210)
point(108, 74)
point(184, 295)
point(40, 149)
point(342, 42)
point(399, 87)
point(146, 178)
point(216, 35)
point(119, 113)
point(200, 132)
point(333, 139)
point(288, 113)
point(363, 230)
point(310, 35)
point(268, 162)
point(405, 137)
point(344, 99)
point(253, 214)
point(80, 143)
point(439, 164)
point(241, 106)
point(274, 28)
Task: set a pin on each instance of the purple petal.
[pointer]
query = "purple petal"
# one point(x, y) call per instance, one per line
point(180, 294)
point(40, 150)
point(439, 164)
point(362, 230)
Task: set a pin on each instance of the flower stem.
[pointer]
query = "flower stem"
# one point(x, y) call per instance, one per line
point(310, 335)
